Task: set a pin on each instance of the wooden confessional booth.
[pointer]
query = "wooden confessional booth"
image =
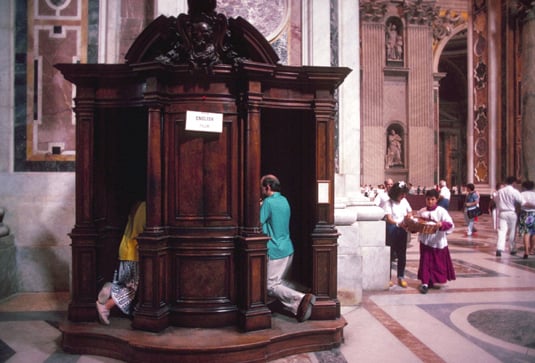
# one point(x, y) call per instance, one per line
point(202, 254)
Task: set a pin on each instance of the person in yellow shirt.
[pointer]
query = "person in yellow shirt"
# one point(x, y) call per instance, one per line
point(122, 291)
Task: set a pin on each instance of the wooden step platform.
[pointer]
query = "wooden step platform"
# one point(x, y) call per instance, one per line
point(174, 344)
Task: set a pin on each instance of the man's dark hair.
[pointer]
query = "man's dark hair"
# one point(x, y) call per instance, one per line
point(510, 180)
point(471, 187)
point(528, 185)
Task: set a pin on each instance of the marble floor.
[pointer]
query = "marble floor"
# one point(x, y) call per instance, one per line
point(486, 315)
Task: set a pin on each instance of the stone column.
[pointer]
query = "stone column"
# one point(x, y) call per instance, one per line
point(363, 258)
point(348, 172)
point(316, 27)
point(7, 57)
point(528, 93)
point(420, 159)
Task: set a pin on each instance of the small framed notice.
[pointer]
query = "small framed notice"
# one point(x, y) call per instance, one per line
point(323, 192)
point(204, 121)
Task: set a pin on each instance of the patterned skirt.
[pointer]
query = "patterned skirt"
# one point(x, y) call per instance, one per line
point(123, 289)
point(526, 223)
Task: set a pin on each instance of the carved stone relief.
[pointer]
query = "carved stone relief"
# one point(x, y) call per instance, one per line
point(418, 12)
point(373, 11)
point(444, 23)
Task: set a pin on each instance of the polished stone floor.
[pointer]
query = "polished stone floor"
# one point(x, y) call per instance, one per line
point(486, 315)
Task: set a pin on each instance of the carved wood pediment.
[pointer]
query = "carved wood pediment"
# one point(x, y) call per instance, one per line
point(201, 39)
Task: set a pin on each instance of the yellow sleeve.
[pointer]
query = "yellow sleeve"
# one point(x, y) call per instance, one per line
point(136, 224)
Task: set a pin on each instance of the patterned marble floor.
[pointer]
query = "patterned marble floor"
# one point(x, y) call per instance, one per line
point(486, 315)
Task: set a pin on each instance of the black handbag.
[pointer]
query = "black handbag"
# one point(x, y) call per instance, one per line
point(474, 212)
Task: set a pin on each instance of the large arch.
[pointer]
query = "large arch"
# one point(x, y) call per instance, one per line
point(452, 62)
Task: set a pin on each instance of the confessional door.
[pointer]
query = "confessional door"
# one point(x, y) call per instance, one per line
point(120, 178)
point(288, 151)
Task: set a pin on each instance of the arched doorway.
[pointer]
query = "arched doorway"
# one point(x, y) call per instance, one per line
point(453, 118)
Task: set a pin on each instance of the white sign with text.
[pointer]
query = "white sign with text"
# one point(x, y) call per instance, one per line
point(204, 121)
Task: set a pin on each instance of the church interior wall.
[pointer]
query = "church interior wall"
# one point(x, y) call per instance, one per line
point(40, 214)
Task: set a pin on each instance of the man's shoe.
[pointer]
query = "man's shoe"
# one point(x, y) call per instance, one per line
point(423, 289)
point(525, 256)
point(105, 293)
point(402, 283)
point(498, 253)
point(513, 253)
point(305, 307)
point(103, 314)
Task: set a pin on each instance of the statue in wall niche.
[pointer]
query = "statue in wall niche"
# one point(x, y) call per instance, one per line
point(4, 230)
point(394, 43)
point(203, 38)
point(393, 153)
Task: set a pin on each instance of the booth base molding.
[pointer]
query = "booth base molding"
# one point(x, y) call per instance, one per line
point(120, 341)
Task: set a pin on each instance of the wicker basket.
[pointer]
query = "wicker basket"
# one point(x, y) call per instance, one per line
point(420, 225)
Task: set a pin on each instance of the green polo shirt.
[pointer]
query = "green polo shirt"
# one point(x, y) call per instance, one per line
point(275, 220)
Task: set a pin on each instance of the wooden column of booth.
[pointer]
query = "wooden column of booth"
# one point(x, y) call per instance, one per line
point(202, 255)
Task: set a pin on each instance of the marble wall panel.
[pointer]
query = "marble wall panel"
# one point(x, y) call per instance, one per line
point(8, 266)
point(272, 19)
point(47, 33)
point(43, 268)
point(52, 119)
point(40, 212)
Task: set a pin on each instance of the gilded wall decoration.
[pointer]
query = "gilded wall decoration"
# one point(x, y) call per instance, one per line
point(480, 100)
point(480, 147)
point(445, 22)
point(480, 75)
point(480, 119)
point(481, 171)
